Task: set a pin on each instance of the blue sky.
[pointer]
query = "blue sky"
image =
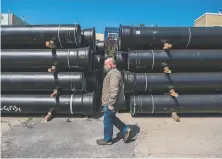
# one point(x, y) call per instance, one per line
point(101, 13)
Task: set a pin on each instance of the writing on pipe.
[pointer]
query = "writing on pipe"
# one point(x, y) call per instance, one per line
point(18, 104)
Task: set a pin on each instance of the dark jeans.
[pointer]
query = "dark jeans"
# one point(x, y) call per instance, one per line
point(110, 119)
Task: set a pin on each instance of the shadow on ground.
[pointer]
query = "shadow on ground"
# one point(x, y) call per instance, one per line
point(134, 131)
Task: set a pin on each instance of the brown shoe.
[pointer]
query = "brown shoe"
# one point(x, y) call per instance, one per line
point(102, 142)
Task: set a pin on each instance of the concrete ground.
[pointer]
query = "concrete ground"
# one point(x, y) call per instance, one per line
point(153, 137)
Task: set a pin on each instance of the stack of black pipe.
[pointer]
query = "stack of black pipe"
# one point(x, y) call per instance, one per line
point(171, 69)
point(50, 67)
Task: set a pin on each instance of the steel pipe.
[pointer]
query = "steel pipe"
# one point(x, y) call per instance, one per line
point(181, 82)
point(35, 36)
point(94, 81)
point(143, 38)
point(182, 60)
point(99, 61)
point(121, 60)
point(45, 58)
point(42, 81)
point(17, 104)
point(89, 38)
point(157, 104)
point(100, 47)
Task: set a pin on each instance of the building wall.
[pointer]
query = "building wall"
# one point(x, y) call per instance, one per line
point(111, 30)
point(6, 19)
point(107, 31)
point(18, 21)
point(214, 20)
point(209, 20)
point(11, 19)
point(99, 36)
point(200, 22)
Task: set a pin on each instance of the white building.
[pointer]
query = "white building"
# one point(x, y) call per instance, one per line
point(11, 19)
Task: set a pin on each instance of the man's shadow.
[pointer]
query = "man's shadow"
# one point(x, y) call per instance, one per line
point(134, 131)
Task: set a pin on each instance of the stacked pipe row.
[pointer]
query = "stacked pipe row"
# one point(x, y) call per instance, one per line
point(47, 67)
point(171, 69)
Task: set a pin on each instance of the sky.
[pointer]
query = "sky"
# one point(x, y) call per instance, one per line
point(111, 13)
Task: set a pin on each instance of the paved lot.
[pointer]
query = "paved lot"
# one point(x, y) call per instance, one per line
point(153, 137)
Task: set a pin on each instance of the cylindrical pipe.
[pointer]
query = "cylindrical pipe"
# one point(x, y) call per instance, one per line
point(157, 104)
point(99, 61)
point(143, 38)
point(17, 104)
point(100, 47)
point(41, 58)
point(35, 36)
point(181, 82)
point(42, 81)
point(121, 60)
point(89, 38)
point(182, 60)
point(94, 81)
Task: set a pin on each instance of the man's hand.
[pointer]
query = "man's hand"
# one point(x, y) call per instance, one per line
point(110, 107)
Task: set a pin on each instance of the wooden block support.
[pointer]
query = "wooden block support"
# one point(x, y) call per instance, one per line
point(167, 46)
point(50, 114)
point(52, 69)
point(50, 44)
point(173, 93)
point(167, 70)
point(175, 117)
point(54, 93)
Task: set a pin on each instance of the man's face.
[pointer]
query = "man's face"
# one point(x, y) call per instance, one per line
point(106, 66)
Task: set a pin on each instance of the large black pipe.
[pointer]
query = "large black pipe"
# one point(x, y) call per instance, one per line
point(182, 60)
point(99, 61)
point(42, 81)
point(181, 82)
point(100, 47)
point(17, 104)
point(121, 60)
point(35, 36)
point(45, 58)
point(143, 38)
point(94, 81)
point(89, 38)
point(158, 104)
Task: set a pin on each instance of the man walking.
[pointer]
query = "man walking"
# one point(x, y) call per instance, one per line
point(110, 47)
point(112, 96)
